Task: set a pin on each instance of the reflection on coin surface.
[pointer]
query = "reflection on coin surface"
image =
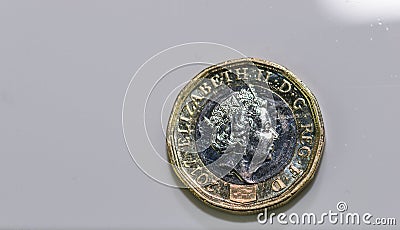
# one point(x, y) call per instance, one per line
point(245, 135)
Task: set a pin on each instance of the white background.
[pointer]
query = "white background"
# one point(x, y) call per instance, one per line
point(65, 66)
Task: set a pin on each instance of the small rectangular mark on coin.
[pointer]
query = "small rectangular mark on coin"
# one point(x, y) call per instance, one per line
point(243, 193)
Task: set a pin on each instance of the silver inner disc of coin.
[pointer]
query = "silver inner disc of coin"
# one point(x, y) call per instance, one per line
point(246, 133)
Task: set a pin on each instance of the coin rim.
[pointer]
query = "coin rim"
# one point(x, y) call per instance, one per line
point(299, 184)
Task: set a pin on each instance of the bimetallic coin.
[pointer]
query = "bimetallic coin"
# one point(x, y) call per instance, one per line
point(245, 135)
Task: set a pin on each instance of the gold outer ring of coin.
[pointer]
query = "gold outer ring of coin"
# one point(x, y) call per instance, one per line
point(255, 206)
